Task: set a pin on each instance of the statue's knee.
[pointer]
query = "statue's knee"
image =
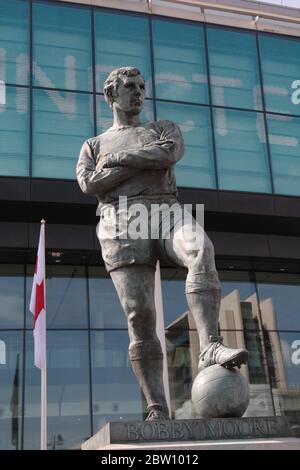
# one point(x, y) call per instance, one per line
point(149, 349)
point(141, 321)
point(208, 252)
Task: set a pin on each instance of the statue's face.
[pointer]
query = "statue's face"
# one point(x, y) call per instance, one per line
point(130, 94)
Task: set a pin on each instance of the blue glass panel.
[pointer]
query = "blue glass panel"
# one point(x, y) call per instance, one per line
point(116, 393)
point(279, 297)
point(61, 122)
point(67, 391)
point(174, 298)
point(14, 47)
point(11, 378)
point(287, 353)
point(62, 48)
point(234, 72)
point(12, 296)
point(196, 169)
point(280, 58)
point(180, 64)
point(14, 160)
point(121, 40)
point(241, 151)
point(105, 115)
point(284, 138)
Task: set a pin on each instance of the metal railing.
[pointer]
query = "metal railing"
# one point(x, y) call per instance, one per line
point(258, 11)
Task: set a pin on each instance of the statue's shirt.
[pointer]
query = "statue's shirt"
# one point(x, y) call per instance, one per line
point(157, 145)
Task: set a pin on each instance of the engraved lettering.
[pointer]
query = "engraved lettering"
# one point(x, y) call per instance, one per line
point(163, 432)
point(189, 428)
point(177, 430)
point(132, 432)
point(229, 428)
point(148, 431)
point(213, 429)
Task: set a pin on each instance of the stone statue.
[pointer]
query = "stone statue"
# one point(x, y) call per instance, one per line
point(137, 160)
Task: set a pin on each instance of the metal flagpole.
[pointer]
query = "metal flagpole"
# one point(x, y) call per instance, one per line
point(44, 369)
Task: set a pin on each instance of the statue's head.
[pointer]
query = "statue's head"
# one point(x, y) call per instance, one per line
point(125, 88)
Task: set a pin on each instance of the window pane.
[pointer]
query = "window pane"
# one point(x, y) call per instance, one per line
point(11, 296)
point(279, 297)
point(66, 294)
point(234, 73)
point(62, 47)
point(239, 306)
point(116, 393)
point(61, 123)
point(67, 391)
point(14, 160)
point(11, 373)
point(105, 114)
point(241, 151)
point(284, 365)
point(121, 40)
point(174, 298)
point(180, 64)
point(182, 366)
point(284, 138)
point(14, 32)
point(196, 169)
point(280, 60)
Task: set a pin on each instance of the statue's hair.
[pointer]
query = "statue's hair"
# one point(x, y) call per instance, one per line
point(112, 81)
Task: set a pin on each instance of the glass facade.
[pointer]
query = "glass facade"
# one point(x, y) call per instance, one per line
point(90, 379)
point(235, 98)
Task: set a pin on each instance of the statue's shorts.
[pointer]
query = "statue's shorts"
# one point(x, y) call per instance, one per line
point(131, 232)
point(138, 231)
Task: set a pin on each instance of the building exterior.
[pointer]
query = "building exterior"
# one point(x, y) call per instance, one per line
point(229, 75)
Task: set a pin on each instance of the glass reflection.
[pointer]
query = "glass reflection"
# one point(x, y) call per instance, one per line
point(116, 393)
point(11, 373)
point(241, 151)
point(196, 169)
point(14, 137)
point(284, 140)
point(234, 72)
point(281, 71)
point(67, 391)
point(14, 40)
point(11, 296)
point(62, 47)
point(61, 123)
point(279, 300)
point(180, 62)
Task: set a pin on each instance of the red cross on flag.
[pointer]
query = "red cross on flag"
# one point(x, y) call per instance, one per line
point(38, 303)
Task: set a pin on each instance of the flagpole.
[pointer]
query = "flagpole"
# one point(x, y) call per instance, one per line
point(44, 371)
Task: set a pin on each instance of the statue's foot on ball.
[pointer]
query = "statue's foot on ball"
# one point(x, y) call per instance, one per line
point(156, 413)
point(216, 353)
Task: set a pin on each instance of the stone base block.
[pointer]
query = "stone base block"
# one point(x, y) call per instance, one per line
point(188, 431)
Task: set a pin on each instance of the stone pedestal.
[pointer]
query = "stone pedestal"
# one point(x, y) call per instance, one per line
point(192, 430)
